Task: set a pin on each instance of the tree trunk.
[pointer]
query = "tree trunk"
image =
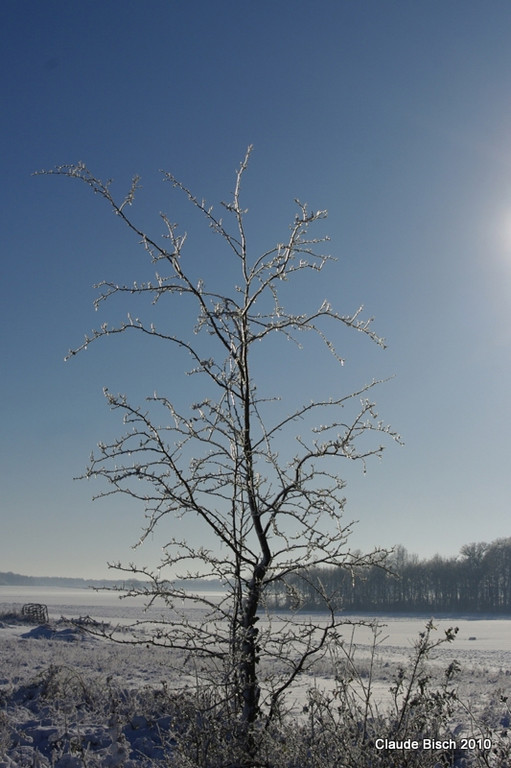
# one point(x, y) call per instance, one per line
point(250, 690)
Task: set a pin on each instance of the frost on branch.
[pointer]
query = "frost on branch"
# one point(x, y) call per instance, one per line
point(260, 481)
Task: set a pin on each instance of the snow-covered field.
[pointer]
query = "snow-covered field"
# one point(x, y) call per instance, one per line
point(68, 699)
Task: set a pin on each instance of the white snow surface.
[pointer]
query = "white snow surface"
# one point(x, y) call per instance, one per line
point(57, 683)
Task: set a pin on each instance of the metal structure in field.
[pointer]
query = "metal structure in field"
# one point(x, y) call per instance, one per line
point(36, 612)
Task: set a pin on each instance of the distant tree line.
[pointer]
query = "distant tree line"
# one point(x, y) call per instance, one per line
point(10, 579)
point(478, 580)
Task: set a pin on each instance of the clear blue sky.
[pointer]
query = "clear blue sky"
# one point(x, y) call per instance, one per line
point(396, 116)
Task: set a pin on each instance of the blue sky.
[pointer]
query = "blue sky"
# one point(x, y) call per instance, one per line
point(396, 116)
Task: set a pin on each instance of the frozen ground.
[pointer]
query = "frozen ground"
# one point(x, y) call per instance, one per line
point(69, 700)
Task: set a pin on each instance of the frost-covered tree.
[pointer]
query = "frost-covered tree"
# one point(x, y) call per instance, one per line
point(263, 481)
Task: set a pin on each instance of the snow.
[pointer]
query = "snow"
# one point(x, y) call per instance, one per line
point(68, 699)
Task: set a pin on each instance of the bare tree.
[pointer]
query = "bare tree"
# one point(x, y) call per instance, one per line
point(220, 462)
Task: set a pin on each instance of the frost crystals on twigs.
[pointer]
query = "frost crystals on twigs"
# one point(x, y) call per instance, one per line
point(260, 482)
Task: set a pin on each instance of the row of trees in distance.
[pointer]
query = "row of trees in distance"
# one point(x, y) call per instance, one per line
point(478, 580)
